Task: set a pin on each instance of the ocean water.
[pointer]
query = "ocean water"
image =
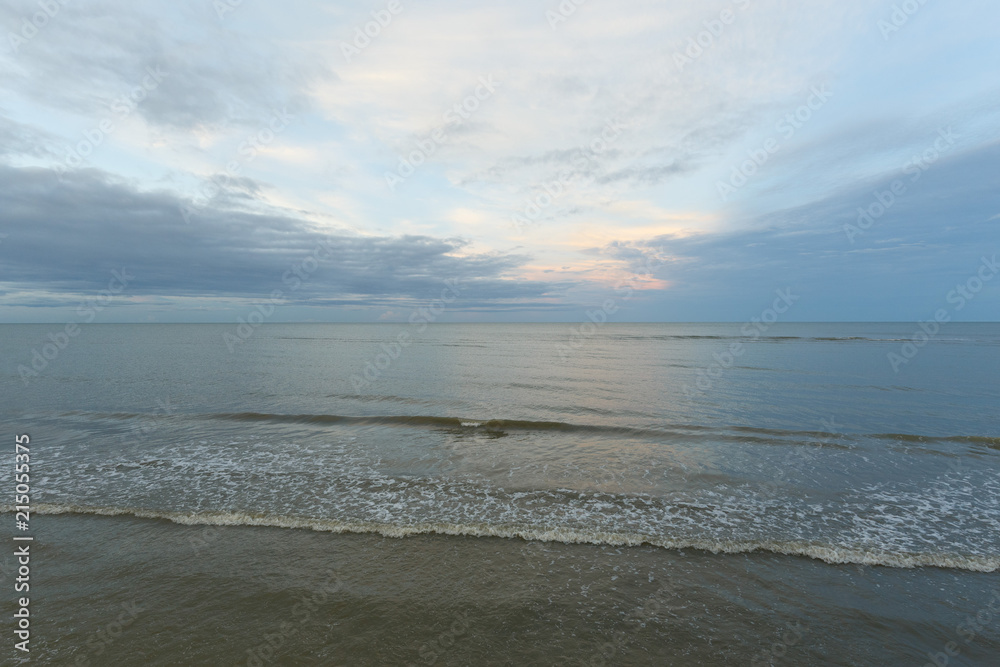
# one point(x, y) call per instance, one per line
point(510, 494)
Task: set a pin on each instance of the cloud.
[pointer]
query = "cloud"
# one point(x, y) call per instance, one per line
point(88, 55)
point(680, 126)
point(69, 235)
point(932, 234)
point(20, 140)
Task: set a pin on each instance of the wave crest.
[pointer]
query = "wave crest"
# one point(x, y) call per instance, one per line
point(835, 555)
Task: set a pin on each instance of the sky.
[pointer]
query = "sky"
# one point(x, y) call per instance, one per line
point(194, 160)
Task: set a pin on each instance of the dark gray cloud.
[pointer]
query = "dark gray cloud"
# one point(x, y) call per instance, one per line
point(900, 267)
point(66, 236)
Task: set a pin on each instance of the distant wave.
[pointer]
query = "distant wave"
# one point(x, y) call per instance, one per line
point(873, 339)
point(989, 441)
point(741, 433)
point(494, 426)
point(836, 555)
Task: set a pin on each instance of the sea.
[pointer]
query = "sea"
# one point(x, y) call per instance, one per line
point(505, 494)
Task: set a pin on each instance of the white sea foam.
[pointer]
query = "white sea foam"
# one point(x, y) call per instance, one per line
point(828, 553)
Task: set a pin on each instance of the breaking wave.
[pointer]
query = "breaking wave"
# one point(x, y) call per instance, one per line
point(827, 553)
